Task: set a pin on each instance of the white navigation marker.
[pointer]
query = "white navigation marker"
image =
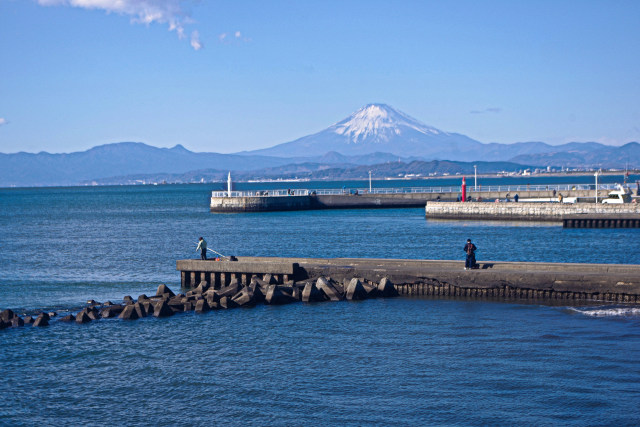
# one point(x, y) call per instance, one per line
point(229, 186)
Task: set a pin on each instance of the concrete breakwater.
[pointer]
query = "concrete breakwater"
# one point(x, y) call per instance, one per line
point(542, 281)
point(315, 202)
point(213, 285)
point(531, 211)
point(205, 298)
point(287, 200)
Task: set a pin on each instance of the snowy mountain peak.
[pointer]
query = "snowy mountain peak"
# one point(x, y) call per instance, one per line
point(379, 123)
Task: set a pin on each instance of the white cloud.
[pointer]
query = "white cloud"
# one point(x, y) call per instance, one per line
point(195, 41)
point(232, 37)
point(494, 110)
point(146, 12)
point(3, 121)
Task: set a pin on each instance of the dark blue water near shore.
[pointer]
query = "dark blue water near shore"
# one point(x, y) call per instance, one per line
point(398, 361)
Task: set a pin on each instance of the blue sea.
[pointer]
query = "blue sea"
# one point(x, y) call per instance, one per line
point(401, 361)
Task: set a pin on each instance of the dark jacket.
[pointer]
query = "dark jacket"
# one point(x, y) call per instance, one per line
point(470, 248)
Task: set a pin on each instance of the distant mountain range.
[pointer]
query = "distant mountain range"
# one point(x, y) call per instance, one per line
point(375, 134)
point(317, 171)
point(381, 128)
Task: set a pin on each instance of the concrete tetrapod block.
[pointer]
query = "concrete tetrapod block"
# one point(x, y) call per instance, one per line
point(4, 324)
point(296, 293)
point(386, 288)
point(226, 302)
point(142, 309)
point(68, 318)
point(202, 306)
point(229, 291)
point(128, 299)
point(129, 313)
point(17, 321)
point(91, 312)
point(244, 297)
point(269, 279)
point(28, 320)
point(82, 317)
point(111, 311)
point(41, 320)
point(202, 288)
point(7, 315)
point(311, 293)
point(259, 282)
point(355, 290)
point(211, 295)
point(276, 296)
point(162, 309)
point(288, 291)
point(328, 289)
point(148, 307)
point(339, 287)
point(258, 292)
point(371, 289)
point(164, 289)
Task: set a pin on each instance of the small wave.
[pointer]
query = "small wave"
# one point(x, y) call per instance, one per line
point(608, 311)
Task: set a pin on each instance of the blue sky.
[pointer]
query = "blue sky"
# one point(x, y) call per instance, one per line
point(226, 76)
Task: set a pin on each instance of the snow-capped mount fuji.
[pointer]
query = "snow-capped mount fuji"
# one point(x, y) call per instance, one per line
point(377, 128)
point(376, 123)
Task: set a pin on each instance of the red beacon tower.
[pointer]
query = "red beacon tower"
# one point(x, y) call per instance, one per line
point(464, 189)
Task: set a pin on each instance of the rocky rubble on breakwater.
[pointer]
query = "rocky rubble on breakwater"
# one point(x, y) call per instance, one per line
point(204, 298)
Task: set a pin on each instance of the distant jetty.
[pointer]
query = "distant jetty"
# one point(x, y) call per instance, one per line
point(571, 215)
point(403, 197)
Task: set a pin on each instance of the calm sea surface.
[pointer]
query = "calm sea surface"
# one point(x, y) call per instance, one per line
point(402, 361)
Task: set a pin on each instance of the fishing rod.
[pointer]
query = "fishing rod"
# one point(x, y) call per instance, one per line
point(217, 253)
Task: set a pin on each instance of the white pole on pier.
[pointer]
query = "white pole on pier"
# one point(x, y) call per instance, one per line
point(596, 175)
point(229, 186)
point(475, 178)
point(369, 181)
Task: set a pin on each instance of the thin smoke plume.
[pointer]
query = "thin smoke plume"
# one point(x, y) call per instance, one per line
point(169, 12)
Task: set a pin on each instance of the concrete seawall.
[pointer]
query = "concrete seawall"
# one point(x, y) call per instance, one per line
point(368, 201)
point(315, 202)
point(527, 211)
point(542, 281)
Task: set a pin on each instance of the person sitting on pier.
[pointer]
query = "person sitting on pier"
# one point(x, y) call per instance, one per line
point(470, 250)
point(202, 247)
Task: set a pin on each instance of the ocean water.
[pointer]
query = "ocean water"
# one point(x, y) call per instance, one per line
point(402, 361)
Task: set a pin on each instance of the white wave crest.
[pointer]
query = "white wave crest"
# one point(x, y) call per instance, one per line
point(609, 311)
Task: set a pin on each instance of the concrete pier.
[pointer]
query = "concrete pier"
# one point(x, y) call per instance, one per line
point(287, 200)
point(501, 280)
point(316, 202)
point(601, 221)
point(570, 214)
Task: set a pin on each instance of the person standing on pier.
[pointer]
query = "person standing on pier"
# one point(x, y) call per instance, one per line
point(470, 250)
point(202, 247)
